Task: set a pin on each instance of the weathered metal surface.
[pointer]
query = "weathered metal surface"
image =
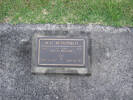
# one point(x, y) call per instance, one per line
point(61, 51)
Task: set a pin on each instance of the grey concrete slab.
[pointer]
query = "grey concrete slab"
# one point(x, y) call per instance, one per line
point(112, 65)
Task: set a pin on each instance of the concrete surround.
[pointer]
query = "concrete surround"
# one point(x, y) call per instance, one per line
point(112, 65)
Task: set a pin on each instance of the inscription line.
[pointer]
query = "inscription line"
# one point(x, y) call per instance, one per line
point(61, 46)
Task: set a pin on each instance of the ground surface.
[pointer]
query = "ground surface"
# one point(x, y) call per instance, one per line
point(112, 66)
point(105, 12)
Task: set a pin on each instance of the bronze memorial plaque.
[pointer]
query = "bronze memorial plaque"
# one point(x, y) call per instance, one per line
point(59, 54)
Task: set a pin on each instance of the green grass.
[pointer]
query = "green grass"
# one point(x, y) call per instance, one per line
point(105, 12)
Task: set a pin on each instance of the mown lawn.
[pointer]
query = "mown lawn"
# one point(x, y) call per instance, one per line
point(105, 12)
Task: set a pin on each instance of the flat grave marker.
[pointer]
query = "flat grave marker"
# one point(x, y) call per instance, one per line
point(60, 54)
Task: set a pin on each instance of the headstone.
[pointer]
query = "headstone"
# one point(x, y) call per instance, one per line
point(60, 54)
